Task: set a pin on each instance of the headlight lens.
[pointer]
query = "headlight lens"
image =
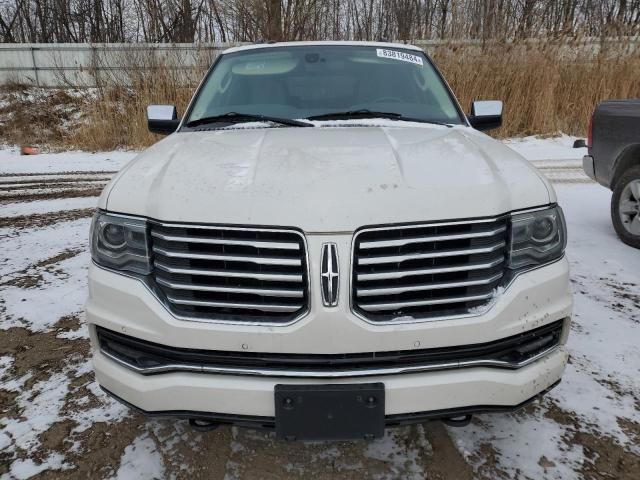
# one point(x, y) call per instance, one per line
point(120, 243)
point(537, 237)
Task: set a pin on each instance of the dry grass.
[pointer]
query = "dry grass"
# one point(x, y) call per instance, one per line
point(546, 87)
point(33, 116)
point(118, 116)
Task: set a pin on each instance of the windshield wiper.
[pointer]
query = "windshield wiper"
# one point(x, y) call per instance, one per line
point(365, 113)
point(235, 117)
point(362, 113)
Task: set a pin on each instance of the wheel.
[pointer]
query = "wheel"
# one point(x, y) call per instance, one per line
point(625, 207)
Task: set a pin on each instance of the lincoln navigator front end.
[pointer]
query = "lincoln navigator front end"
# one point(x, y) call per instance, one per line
point(325, 245)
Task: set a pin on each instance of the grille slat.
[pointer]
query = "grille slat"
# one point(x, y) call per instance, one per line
point(371, 292)
point(229, 258)
point(231, 274)
point(265, 307)
point(267, 292)
point(435, 238)
point(428, 271)
point(395, 274)
point(226, 241)
point(377, 307)
point(434, 254)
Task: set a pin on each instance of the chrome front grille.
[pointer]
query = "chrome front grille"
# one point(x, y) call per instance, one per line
point(231, 274)
point(428, 271)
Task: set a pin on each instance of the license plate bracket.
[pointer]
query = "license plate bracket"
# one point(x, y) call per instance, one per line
point(330, 412)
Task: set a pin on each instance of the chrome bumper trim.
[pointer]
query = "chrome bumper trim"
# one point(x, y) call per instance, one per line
point(193, 368)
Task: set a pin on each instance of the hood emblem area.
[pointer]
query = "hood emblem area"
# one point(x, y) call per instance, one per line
point(329, 274)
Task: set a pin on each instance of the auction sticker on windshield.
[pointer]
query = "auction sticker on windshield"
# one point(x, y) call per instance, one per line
point(397, 55)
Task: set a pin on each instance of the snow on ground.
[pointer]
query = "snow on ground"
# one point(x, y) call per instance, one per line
point(555, 156)
point(13, 163)
point(554, 149)
point(22, 249)
point(54, 417)
point(19, 209)
point(141, 460)
point(60, 291)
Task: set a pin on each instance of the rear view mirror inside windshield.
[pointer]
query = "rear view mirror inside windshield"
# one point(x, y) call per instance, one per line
point(273, 65)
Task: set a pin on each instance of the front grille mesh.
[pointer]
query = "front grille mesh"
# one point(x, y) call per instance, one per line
point(236, 274)
point(428, 271)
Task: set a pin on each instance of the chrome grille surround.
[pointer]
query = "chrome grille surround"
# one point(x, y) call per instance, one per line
point(426, 272)
point(229, 274)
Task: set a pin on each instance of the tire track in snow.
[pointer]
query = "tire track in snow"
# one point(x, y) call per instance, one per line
point(562, 171)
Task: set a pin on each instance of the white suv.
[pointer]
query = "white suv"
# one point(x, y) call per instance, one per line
point(325, 245)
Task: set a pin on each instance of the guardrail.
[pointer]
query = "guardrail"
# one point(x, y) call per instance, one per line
point(88, 65)
point(91, 64)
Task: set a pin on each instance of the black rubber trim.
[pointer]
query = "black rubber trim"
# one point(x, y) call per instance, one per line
point(516, 349)
point(268, 423)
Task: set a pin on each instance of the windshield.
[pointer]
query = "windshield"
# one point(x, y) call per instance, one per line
point(327, 82)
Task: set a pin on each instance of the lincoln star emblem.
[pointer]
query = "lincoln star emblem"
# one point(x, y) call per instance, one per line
point(329, 276)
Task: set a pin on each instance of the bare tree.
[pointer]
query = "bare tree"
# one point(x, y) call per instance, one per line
point(252, 20)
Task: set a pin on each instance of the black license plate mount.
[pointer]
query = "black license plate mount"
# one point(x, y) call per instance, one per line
point(330, 412)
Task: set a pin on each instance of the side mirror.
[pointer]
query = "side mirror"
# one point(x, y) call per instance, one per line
point(580, 143)
point(486, 114)
point(162, 119)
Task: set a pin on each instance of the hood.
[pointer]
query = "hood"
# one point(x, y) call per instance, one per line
point(328, 179)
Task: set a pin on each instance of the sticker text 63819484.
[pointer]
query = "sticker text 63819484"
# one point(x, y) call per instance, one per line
point(397, 55)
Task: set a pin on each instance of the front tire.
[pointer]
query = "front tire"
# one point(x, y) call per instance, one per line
point(625, 207)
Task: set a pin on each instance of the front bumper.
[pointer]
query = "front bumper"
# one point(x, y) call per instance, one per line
point(254, 396)
point(269, 423)
point(125, 305)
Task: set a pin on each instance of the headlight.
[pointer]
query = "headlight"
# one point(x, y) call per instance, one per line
point(537, 237)
point(120, 243)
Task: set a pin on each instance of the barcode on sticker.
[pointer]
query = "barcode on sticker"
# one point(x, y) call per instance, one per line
point(397, 55)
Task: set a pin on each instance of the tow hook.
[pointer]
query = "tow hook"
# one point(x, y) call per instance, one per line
point(461, 421)
point(203, 425)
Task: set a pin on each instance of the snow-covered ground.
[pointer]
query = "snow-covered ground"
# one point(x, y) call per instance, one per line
point(55, 421)
point(11, 162)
